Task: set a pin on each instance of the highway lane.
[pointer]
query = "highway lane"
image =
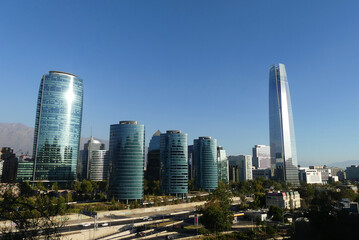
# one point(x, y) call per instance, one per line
point(123, 222)
point(112, 223)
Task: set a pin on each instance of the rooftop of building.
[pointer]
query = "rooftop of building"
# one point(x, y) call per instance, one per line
point(279, 193)
point(157, 133)
point(64, 73)
point(173, 131)
point(128, 122)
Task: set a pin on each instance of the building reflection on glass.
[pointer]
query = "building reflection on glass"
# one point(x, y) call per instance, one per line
point(57, 127)
point(283, 150)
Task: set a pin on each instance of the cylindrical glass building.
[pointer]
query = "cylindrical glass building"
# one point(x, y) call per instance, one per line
point(205, 163)
point(57, 127)
point(127, 157)
point(174, 163)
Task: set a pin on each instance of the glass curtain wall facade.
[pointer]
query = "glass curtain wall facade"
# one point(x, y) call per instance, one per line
point(222, 162)
point(205, 163)
point(57, 127)
point(284, 164)
point(25, 171)
point(190, 162)
point(98, 165)
point(153, 170)
point(174, 163)
point(240, 168)
point(127, 157)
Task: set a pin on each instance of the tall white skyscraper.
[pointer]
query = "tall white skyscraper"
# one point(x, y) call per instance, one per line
point(284, 164)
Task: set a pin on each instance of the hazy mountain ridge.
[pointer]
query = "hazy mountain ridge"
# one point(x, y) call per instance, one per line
point(17, 136)
point(20, 137)
point(342, 164)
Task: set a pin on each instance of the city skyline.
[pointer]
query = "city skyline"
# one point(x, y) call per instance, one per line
point(151, 54)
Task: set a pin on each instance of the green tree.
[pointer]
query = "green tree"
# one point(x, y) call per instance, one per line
point(69, 197)
point(35, 213)
point(216, 216)
point(55, 187)
point(40, 186)
point(77, 187)
point(191, 185)
point(103, 186)
point(86, 187)
point(276, 213)
point(25, 189)
point(258, 201)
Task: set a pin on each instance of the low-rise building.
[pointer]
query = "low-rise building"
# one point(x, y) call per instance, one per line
point(284, 200)
point(254, 215)
point(333, 179)
point(310, 176)
point(348, 206)
point(325, 171)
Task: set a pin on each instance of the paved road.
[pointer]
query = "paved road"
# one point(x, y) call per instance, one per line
point(123, 222)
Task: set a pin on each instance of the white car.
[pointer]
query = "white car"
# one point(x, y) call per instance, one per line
point(145, 218)
point(149, 219)
point(86, 224)
point(104, 224)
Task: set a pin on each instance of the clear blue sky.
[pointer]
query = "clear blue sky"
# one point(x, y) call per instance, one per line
point(198, 66)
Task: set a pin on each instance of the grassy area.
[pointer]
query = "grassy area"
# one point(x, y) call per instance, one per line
point(162, 224)
point(193, 227)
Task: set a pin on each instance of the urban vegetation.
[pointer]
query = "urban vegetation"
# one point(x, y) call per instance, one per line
point(29, 216)
point(320, 217)
point(216, 214)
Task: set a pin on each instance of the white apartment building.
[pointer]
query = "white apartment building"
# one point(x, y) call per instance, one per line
point(310, 176)
point(284, 200)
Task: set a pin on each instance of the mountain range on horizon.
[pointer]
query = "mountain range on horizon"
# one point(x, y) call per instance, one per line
point(20, 138)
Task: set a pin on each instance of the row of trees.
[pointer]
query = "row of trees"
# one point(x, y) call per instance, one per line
point(31, 216)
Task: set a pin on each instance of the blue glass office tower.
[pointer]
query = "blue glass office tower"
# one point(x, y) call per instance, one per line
point(174, 163)
point(281, 128)
point(57, 127)
point(205, 163)
point(153, 170)
point(127, 156)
